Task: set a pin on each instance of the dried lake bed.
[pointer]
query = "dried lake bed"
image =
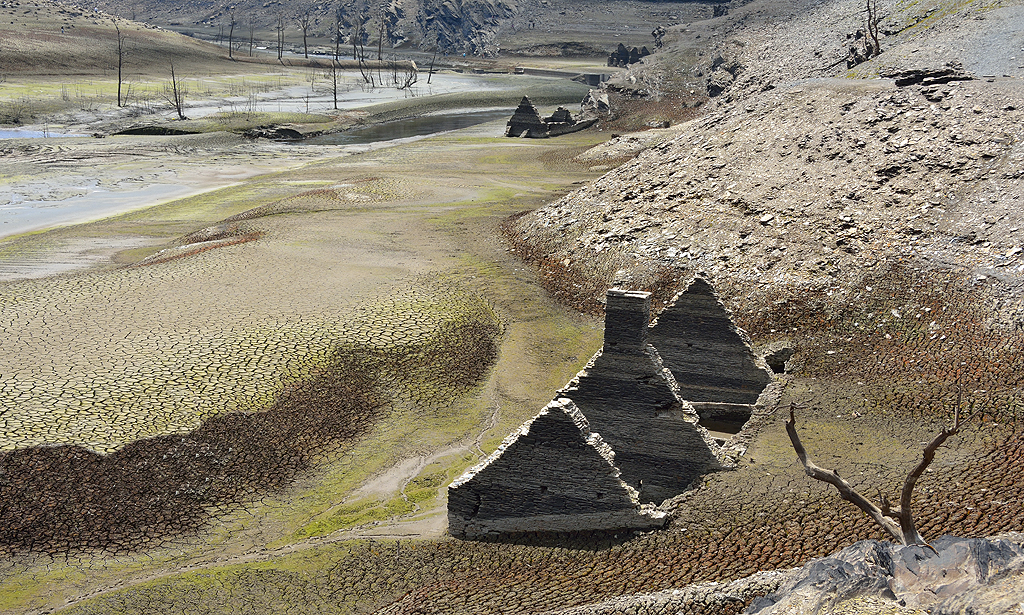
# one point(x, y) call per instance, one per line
point(283, 263)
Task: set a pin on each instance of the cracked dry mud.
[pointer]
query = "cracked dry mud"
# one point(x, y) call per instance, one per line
point(896, 311)
point(151, 408)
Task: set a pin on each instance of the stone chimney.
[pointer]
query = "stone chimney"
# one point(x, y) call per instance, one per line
point(626, 316)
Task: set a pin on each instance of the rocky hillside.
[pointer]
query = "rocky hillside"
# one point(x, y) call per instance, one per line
point(866, 216)
point(474, 27)
point(806, 183)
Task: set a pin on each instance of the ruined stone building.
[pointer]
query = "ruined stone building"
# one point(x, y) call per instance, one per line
point(712, 362)
point(623, 435)
point(623, 56)
point(527, 122)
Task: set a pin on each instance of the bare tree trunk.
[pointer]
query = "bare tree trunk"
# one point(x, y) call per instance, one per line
point(121, 39)
point(280, 37)
point(334, 80)
point(252, 34)
point(873, 28)
point(231, 35)
point(337, 52)
point(304, 22)
point(175, 93)
point(381, 28)
point(906, 532)
point(430, 75)
point(337, 31)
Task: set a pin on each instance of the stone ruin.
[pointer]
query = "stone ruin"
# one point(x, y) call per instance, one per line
point(626, 433)
point(623, 57)
point(710, 358)
point(527, 122)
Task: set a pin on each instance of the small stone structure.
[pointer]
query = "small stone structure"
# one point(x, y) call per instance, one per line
point(527, 122)
point(623, 56)
point(621, 437)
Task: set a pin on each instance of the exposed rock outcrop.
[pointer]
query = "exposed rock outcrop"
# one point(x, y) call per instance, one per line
point(981, 576)
point(964, 575)
point(468, 26)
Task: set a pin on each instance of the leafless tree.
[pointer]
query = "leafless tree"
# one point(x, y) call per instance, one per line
point(175, 93)
point(431, 40)
point(873, 19)
point(231, 33)
point(339, 16)
point(865, 44)
point(898, 523)
point(339, 13)
point(382, 30)
point(252, 34)
point(404, 74)
point(122, 50)
point(280, 36)
point(358, 46)
point(304, 22)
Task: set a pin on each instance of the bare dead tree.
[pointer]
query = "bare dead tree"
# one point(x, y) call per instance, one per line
point(231, 33)
point(873, 19)
point(864, 43)
point(382, 31)
point(359, 49)
point(433, 40)
point(356, 27)
point(280, 36)
point(898, 523)
point(252, 34)
point(304, 22)
point(175, 92)
point(339, 14)
point(122, 50)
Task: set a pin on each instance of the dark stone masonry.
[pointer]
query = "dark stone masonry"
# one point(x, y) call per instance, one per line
point(552, 464)
point(705, 351)
point(621, 437)
point(527, 122)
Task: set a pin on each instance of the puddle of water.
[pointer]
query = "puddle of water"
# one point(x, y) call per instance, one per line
point(411, 127)
point(25, 216)
point(18, 133)
point(353, 93)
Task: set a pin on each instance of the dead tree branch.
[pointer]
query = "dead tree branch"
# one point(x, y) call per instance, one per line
point(897, 523)
point(831, 477)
